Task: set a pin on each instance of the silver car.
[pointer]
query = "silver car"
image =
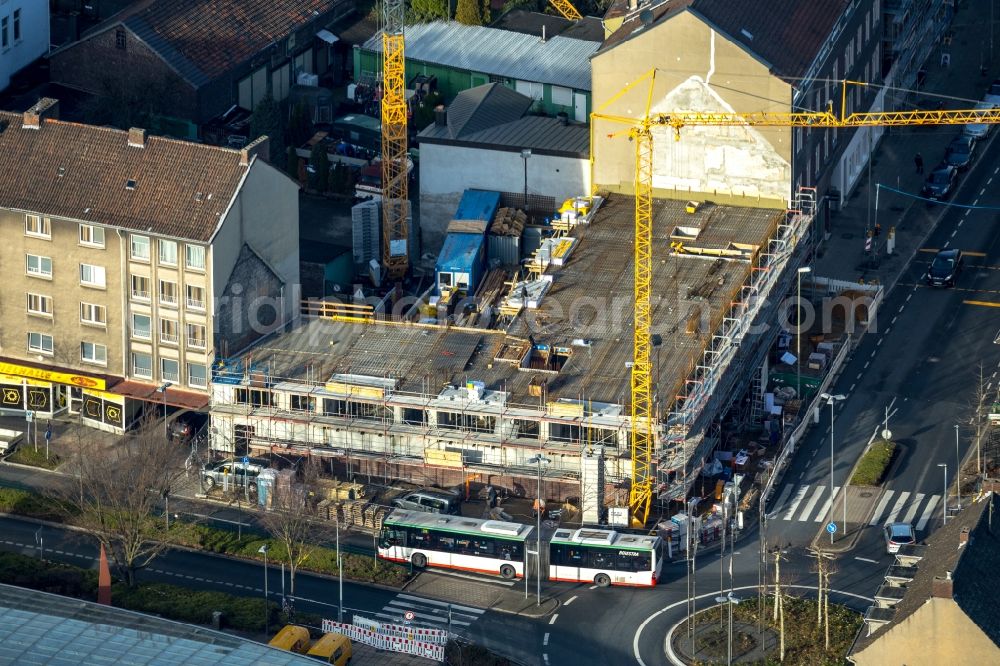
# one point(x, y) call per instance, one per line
point(979, 130)
point(896, 535)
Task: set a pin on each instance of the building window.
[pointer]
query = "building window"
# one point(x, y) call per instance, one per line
point(93, 314)
point(38, 266)
point(169, 370)
point(91, 352)
point(195, 297)
point(142, 365)
point(92, 276)
point(91, 236)
point(39, 305)
point(168, 293)
point(197, 375)
point(562, 96)
point(38, 226)
point(140, 247)
point(120, 39)
point(141, 325)
point(140, 287)
point(17, 25)
point(195, 336)
point(168, 331)
point(40, 343)
point(195, 257)
point(168, 252)
point(4, 39)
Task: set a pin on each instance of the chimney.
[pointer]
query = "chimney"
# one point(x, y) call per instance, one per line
point(543, 33)
point(963, 537)
point(440, 116)
point(137, 137)
point(260, 147)
point(942, 587)
point(46, 107)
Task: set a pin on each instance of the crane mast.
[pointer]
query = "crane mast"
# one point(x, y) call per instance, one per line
point(395, 190)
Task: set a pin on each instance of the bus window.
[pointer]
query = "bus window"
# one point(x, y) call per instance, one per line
point(421, 539)
point(446, 543)
point(600, 559)
point(484, 547)
point(629, 560)
point(391, 537)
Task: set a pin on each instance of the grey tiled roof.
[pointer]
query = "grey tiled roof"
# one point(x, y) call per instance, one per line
point(541, 134)
point(561, 61)
point(483, 107)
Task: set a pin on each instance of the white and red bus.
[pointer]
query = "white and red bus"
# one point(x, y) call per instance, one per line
point(604, 557)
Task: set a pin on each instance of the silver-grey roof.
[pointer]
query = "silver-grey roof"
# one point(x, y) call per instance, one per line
point(540, 133)
point(560, 61)
point(41, 628)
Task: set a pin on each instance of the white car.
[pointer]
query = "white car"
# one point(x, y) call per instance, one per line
point(896, 535)
point(979, 130)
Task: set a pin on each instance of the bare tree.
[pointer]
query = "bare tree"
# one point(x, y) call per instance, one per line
point(120, 486)
point(290, 519)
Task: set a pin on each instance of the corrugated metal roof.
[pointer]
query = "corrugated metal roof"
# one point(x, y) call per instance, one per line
point(485, 106)
point(560, 61)
point(545, 135)
point(478, 205)
point(459, 252)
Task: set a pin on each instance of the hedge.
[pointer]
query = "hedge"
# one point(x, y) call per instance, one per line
point(873, 464)
point(33, 505)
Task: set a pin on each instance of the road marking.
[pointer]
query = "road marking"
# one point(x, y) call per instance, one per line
point(995, 170)
point(545, 640)
point(859, 375)
point(912, 511)
point(910, 295)
point(895, 317)
point(953, 232)
point(851, 390)
point(975, 202)
point(928, 511)
point(946, 244)
point(867, 363)
point(901, 308)
point(812, 503)
point(552, 620)
point(801, 474)
point(62, 553)
point(878, 344)
point(570, 600)
point(962, 220)
point(795, 501)
point(189, 577)
point(982, 191)
point(865, 559)
point(783, 497)
point(468, 609)
point(546, 658)
point(229, 584)
point(821, 516)
point(989, 182)
point(881, 506)
point(985, 304)
point(897, 507)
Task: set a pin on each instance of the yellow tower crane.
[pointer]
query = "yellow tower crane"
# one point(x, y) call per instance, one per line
point(395, 190)
point(567, 10)
point(640, 131)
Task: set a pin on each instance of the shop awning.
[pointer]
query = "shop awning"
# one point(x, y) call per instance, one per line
point(149, 392)
point(327, 37)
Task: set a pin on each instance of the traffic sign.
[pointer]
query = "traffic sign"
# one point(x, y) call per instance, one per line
point(246, 459)
point(831, 527)
point(29, 416)
point(408, 616)
point(886, 434)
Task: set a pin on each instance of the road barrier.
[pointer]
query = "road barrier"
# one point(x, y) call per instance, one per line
point(427, 643)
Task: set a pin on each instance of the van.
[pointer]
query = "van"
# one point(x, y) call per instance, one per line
point(332, 648)
point(430, 500)
point(292, 638)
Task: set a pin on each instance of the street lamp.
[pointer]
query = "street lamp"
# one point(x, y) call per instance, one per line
point(538, 460)
point(944, 466)
point(525, 154)
point(263, 550)
point(798, 332)
point(163, 390)
point(958, 473)
point(831, 400)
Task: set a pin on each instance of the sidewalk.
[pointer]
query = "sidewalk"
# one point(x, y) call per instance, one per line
point(493, 596)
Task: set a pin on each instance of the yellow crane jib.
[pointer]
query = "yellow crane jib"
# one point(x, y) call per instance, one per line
point(567, 10)
point(395, 188)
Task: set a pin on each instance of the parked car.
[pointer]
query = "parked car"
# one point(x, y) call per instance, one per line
point(238, 473)
point(186, 425)
point(430, 500)
point(980, 130)
point(896, 535)
point(940, 182)
point(945, 268)
point(960, 152)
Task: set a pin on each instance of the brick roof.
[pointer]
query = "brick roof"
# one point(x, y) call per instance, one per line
point(787, 36)
point(97, 162)
point(203, 39)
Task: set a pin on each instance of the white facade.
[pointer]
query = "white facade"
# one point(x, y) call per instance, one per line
point(24, 35)
point(447, 171)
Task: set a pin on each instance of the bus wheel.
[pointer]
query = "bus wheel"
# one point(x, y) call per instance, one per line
point(602, 580)
point(419, 560)
point(507, 572)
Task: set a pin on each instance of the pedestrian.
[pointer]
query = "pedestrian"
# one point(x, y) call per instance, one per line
point(918, 159)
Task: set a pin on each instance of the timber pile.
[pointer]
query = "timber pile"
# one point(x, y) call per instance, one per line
point(508, 222)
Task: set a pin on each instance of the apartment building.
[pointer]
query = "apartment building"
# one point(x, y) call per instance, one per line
point(130, 261)
point(24, 35)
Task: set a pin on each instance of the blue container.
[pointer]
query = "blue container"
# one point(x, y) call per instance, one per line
point(478, 205)
point(460, 264)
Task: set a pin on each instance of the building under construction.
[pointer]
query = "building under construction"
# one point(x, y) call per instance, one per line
point(436, 394)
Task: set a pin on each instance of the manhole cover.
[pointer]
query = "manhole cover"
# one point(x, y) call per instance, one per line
point(867, 494)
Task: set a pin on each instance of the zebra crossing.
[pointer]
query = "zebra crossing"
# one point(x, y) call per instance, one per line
point(429, 613)
point(812, 503)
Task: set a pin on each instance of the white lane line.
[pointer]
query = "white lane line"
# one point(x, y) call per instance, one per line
point(795, 502)
point(865, 559)
point(996, 170)
point(592, 587)
point(960, 221)
point(867, 363)
point(911, 513)
point(851, 390)
point(947, 243)
point(821, 516)
point(546, 658)
point(910, 295)
point(801, 474)
point(953, 232)
point(982, 191)
point(897, 507)
point(990, 181)
point(470, 609)
point(782, 497)
point(975, 202)
point(901, 308)
point(804, 516)
point(894, 318)
point(888, 330)
point(928, 511)
point(545, 640)
point(881, 506)
point(988, 385)
point(570, 600)
point(879, 343)
point(872, 355)
point(552, 620)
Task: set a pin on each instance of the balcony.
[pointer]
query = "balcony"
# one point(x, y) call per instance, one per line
point(168, 338)
point(196, 343)
point(195, 305)
point(143, 373)
point(140, 295)
point(167, 299)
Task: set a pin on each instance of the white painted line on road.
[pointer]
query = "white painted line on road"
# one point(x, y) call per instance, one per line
point(989, 182)
point(953, 232)
point(866, 559)
point(470, 609)
point(928, 512)
point(859, 375)
point(821, 516)
point(982, 191)
point(947, 243)
point(552, 620)
point(812, 503)
point(878, 344)
point(592, 587)
point(546, 658)
point(962, 220)
point(228, 584)
point(881, 506)
point(911, 513)
point(570, 600)
point(801, 474)
point(909, 296)
point(545, 639)
point(975, 202)
point(200, 579)
point(189, 577)
point(995, 170)
point(795, 501)
point(894, 318)
point(851, 390)
point(867, 363)
point(62, 553)
point(901, 308)
point(784, 496)
point(897, 507)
